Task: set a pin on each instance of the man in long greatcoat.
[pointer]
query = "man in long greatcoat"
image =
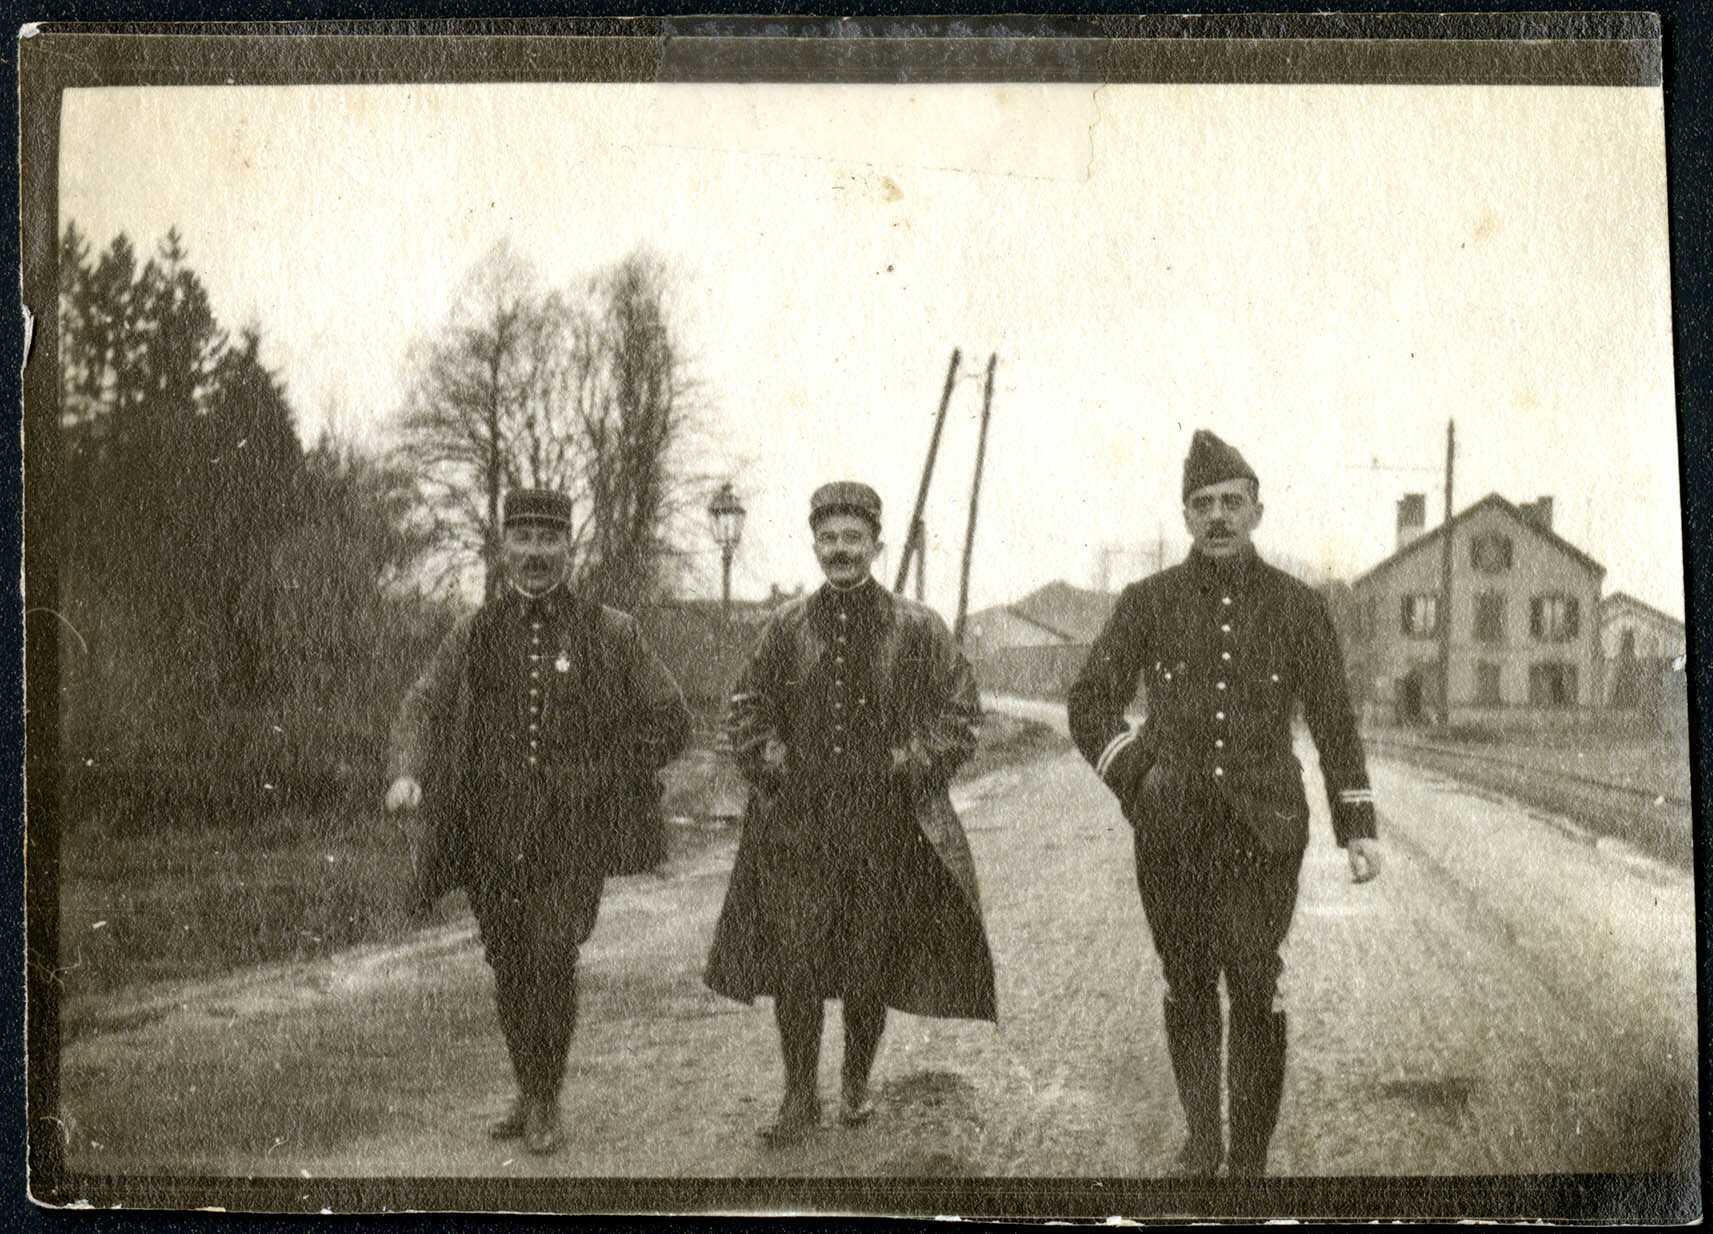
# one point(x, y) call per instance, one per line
point(1227, 648)
point(533, 741)
point(853, 879)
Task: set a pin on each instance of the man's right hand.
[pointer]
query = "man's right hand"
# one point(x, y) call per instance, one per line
point(405, 794)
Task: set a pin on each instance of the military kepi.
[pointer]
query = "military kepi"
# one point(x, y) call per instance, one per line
point(536, 505)
point(1211, 461)
point(845, 497)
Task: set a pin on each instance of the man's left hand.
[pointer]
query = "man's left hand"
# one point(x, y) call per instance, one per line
point(1364, 859)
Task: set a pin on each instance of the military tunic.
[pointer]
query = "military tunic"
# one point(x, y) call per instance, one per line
point(850, 875)
point(853, 875)
point(1226, 652)
point(555, 718)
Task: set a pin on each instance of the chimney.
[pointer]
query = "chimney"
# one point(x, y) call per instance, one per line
point(1539, 512)
point(1412, 517)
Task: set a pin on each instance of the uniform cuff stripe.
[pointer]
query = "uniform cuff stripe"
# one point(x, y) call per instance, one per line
point(1112, 751)
point(1357, 794)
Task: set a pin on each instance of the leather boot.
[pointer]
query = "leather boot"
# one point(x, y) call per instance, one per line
point(511, 1126)
point(799, 1115)
point(865, 1021)
point(799, 1022)
point(1193, 1032)
point(542, 1134)
point(1257, 1082)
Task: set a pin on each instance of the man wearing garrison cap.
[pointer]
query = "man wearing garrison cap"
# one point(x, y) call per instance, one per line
point(533, 741)
point(1226, 647)
point(853, 879)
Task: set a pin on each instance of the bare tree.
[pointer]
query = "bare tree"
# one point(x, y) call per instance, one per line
point(629, 433)
point(584, 391)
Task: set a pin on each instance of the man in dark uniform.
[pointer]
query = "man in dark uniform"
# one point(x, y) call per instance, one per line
point(1226, 647)
point(853, 879)
point(540, 727)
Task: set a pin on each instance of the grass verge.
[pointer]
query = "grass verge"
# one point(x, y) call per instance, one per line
point(196, 904)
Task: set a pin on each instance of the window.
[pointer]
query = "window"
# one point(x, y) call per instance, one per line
point(1420, 615)
point(1490, 553)
point(1490, 617)
point(1552, 684)
point(1554, 619)
point(1487, 685)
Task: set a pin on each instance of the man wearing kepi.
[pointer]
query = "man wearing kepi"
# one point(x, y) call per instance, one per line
point(853, 879)
point(538, 730)
point(1226, 647)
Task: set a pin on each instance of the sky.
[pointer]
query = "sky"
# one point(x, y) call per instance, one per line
point(1323, 275)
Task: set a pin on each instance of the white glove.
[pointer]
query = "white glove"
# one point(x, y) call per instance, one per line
point(405, 794)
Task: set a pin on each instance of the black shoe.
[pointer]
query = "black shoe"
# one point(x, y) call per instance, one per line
point(797, 1119)
point(542, 1134)
point(1199, 1158)
point(856, 1107)
point(511, 1126)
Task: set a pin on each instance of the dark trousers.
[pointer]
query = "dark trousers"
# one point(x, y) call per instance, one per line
point(1217, 902)
point(532, 929)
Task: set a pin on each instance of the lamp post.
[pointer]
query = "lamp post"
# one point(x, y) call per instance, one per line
point(726, 513)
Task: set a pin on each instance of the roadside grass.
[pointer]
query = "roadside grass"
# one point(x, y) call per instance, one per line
point(1549, 771)
point(192, 903)
point(1633, 754)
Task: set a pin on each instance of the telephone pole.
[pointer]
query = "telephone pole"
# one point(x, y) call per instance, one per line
point(975, 500)
point(915, 537)
point(1445, 564)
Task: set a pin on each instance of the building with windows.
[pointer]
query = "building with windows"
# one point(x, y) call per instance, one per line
point(1640, 645)
point(1034, 646)
point(1057, 614)
point(1524, 619)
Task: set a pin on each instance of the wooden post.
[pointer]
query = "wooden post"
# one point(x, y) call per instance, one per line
point(975, 501)
point(1445, 567)
point(913, 537)
point(920, 532)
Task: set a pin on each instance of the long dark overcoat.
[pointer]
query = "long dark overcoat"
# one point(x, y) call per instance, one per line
point(930, 706)
point(635, 704)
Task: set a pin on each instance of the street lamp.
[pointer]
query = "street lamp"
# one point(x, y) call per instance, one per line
point(726, 513)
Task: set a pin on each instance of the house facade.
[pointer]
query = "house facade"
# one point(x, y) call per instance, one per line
point(1525, 638)
point(1057, 614)
point(1034, 646)
point(1641, 645)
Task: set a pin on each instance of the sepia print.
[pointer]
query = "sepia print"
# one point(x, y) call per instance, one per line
point(1144, 568)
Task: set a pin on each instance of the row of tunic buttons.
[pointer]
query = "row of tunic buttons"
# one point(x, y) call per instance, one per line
point(534, 689)
point(1225, 657)
point(840, 681)
point(838, 705)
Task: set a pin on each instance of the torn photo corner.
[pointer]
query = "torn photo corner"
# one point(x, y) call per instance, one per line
point(459, 771)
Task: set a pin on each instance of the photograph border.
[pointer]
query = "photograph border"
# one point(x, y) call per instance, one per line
point(1397, 48)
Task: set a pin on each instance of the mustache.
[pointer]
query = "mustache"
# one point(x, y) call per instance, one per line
point(1218, 529)
point(842, 559)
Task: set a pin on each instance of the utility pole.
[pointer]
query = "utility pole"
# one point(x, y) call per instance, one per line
point(919, 532)
point(914, 538)
point(1445, 564)
point(975, 500)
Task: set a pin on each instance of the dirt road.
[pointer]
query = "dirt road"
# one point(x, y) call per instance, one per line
point(1510, 997)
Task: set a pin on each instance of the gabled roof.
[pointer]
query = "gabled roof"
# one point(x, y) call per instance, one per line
point(1624, 597)
point(1075, 614)
point(1490, 500)
point(1011, 611)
